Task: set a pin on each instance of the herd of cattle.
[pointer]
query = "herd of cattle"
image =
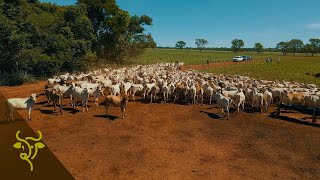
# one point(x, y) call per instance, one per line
point(166, 82)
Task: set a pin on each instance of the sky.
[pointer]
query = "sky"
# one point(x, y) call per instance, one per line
point(221, 21)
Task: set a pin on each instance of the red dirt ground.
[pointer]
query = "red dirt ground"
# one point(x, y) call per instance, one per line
point(161, 141)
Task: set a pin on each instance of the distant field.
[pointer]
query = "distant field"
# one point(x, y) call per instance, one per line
point(195, 56)
point(290, 68)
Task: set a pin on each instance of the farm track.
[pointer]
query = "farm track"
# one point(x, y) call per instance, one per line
point(162, 141)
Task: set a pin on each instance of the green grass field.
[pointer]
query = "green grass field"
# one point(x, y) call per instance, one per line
point(290, 69)
point(195, 56)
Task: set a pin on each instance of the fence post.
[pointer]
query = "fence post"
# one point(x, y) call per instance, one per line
point(314, 116)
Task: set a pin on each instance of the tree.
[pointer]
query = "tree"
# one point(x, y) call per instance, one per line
point(258, 47)
point(315, 43)
point(236, 45)
point(201, 43)
point(120, 36)
point(308, 48)
point(152, 43)
point(180, 44)
point(295, 45)
point(283, 46)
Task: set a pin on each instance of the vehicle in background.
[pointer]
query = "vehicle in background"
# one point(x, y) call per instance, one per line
point(238, 59)
point(246, 58)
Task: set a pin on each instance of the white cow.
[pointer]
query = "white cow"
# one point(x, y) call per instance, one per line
point(257, 99)
point(267, 99)
point(223, 102)
point(239, 99)
point(134, 89)
point(79, 93)
point(20, 103)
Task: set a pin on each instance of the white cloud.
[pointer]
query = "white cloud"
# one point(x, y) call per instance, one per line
point(313, 26)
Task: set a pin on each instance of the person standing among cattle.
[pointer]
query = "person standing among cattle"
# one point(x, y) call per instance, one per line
point(278, 60)
point(267, 60)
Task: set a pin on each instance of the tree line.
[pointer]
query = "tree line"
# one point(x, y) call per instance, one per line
point(44, 38)
point(293, 46)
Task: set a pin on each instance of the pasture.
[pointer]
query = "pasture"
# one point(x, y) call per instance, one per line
point(290, 69)
point(191, 56)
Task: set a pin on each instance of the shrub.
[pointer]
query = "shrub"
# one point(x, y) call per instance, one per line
point(16, 78)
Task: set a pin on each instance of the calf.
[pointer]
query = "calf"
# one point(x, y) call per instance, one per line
point(117, 101)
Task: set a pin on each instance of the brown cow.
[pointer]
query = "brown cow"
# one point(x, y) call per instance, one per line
point(55, 96)
point(117, 101)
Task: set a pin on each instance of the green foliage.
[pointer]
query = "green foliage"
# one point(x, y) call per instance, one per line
point(295, 45)
point(314, 46)
point(236, 45)
point(283, 46)
point(120, 37)
point(15, 78)
point(201, 43)
point(44, 39)
point(309, 48)
point(180, 44)
point(258, 47)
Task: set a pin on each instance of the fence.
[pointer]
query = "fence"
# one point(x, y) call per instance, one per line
point(305, 110)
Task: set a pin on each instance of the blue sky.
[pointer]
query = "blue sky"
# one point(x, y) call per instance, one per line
point(265, 21)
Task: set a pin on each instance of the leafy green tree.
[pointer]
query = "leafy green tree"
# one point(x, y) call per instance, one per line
point(151, 42)
point(180, 44)
point(201, 43)
point(44, 39)
point(315, 43)
point(308, 48)
point(283, 46)
point(237, 45)
point(258, 47)
point(120, 36)
point(295, 45)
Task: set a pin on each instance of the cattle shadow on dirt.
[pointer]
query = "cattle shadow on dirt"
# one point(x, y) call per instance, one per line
point(72, 110)
point(212, 115)
point(109, 117)
point(231, 110)
point(293, 120)
point(44, 111)
point(42, 103)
